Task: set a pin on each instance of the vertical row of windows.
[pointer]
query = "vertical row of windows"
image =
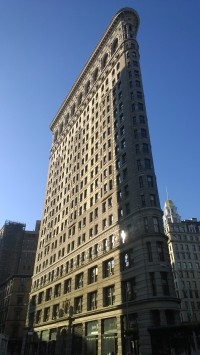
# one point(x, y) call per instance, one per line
point(164, 283)
point(160, 256)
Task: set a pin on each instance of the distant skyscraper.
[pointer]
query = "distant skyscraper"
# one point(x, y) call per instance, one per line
point(184, 249)
point(17, 257)
point(102, 277)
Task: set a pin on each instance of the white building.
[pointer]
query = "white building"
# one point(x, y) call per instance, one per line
point(184, 249)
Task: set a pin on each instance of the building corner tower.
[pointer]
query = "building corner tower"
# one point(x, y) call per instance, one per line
point(102, 277)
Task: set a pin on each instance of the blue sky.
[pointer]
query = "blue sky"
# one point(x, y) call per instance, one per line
point(45, 44)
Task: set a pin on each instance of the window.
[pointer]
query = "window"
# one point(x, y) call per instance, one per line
point(78, 304)
point(46, 314)
point(126, 191)
point(119, 195)
point(38, 317)
point(140, 106)
point(92, 274)
point(153, 283)
point(120, 212)
point(67, 285)
point(137, 148)
point(150, 181)
point(127, 208)
point(137, 82)
point(104, 223)
point(121, 117)
point(155, 315)
point(105, 245)
point(135, 133)
point(108, 267)
point(120, 95)
point(40, 297)
point(169, 314)
point(147, 163)
point(129, 292)
point(79, 280)
point(104, 207)
point(120, 106)
point(146, 225)
point(57, 290)
point(139, 165)
point(160, 251)
point(124, 158)
point(95, 75)
point(155, 224)
point(141, 119)
point(111, 241)
point(110, 202)
point(164, 282)
point(143, 133)
point(141, 181)
point(145, 148)
point(123, 144)
point(143, 202)
point(91, 233)
point(127, 260)
point(55, 313)
point(109, 296)
point(92, 300)
point(96, 229)
point(110, 220)
point(125, 174)
point(87, 87)
point(122, 130)
point(152, 201)
point(149, 251)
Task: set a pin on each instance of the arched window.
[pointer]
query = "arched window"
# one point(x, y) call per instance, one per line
point(95, 75)
point(73, 109)
point(104, 60)
point(114, 45)
point(67, 118)
point(87, 87)
point(61, 127)
point(80, 98)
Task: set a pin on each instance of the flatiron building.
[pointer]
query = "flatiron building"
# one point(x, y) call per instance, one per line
point(102, 278)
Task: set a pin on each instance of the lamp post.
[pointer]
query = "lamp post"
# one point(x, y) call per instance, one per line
point(131, 343)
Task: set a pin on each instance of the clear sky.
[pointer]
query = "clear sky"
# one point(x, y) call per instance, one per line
point(44, 44)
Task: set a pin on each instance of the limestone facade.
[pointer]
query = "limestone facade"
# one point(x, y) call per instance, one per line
point(98, 283)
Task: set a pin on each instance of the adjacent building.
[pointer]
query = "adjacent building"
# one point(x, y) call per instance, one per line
point(17, 256)
point(99, 285)
point(184, 249)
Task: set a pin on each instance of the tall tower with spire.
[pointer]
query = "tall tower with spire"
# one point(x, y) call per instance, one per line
point(170, 213)
point(99, 285)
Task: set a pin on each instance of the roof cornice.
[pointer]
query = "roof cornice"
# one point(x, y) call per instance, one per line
point(116, 19)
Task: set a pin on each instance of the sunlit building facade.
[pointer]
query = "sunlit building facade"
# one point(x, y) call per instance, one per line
point(184, 249)
point(99, 285)
point(17, 255)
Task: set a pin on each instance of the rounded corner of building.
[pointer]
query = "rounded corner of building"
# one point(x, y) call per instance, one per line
point(130, 10)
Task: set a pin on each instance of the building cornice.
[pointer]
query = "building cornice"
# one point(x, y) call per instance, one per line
point(90, 63)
